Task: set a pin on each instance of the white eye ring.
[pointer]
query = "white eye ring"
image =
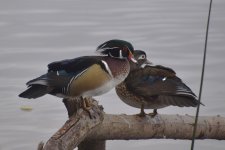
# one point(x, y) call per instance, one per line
point(142, 57)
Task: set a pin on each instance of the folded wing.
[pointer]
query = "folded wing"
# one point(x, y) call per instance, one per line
point(161, 84)
point(58, 78)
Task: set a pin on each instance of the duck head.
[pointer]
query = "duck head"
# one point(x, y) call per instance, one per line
point(118, 49)
point(141, 58)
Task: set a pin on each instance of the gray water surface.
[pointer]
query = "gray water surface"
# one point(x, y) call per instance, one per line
point(34, 33)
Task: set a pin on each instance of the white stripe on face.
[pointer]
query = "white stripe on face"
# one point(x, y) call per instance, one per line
point(121, 55)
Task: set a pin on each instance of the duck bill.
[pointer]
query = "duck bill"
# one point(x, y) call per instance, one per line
point(147, 62)
point(131, 57)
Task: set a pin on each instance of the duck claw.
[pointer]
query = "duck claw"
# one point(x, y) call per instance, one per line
point(153, 114)
point(87, 106)
point(142, 113)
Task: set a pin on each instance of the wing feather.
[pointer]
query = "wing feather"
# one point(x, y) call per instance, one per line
point(161, 83)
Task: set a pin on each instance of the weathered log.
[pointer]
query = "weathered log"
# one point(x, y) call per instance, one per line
point(75, 130)
point(72, 107)
point(126, 127)
point(88, 133)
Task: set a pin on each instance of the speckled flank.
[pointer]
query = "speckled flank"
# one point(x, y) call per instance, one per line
point(127, 97)
point(136, 100)
point(91, 79)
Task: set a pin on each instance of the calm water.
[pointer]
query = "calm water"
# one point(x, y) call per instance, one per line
point(37, 32)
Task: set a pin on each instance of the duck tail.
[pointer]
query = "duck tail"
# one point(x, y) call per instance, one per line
point(35, 91)
point(37, 87)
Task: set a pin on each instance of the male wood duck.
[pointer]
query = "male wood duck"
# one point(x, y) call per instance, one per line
point(151, 86)
point(85, 76)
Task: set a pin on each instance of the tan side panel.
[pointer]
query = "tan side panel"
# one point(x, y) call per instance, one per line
point(91, 79)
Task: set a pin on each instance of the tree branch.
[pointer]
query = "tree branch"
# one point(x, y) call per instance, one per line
point(92, 133)
point(121, 127)
point(75, 130)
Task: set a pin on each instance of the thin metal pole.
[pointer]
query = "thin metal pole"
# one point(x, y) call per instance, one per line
point(202, 78)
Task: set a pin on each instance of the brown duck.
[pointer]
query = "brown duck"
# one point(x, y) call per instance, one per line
point(151, 86)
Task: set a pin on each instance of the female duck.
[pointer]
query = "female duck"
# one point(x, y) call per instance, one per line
point(152, 87)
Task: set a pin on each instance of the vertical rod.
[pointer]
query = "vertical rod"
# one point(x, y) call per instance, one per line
point(202, 77)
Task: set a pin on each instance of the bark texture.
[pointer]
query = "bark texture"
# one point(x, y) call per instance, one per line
point(76, 129)
point(85, 133)
point(125, 127)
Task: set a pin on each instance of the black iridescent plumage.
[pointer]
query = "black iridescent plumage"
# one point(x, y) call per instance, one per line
point(151, 86)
